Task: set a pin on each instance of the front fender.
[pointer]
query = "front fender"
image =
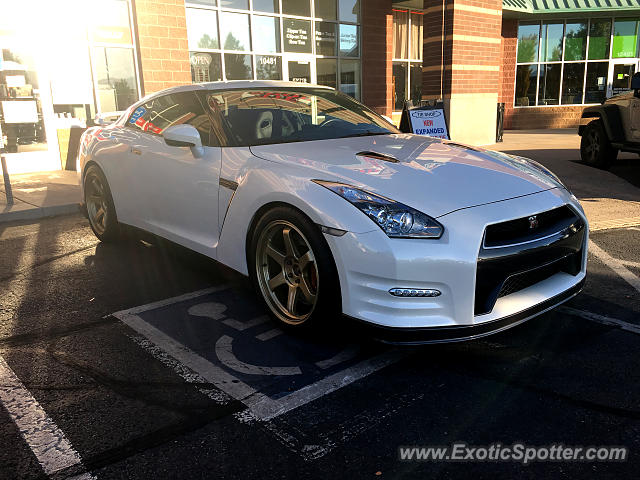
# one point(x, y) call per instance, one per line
point(611, 119)
point(266, 182)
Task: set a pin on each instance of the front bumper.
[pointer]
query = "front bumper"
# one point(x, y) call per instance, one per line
point(371, 264)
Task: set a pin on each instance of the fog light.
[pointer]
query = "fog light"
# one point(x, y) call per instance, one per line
point(414, 292)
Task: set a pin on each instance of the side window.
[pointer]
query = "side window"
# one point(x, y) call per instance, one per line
point(173, 109)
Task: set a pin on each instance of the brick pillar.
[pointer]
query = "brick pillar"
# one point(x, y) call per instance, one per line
point(377, 45)
point(472, 60)
point(161, 27)
point(508, 68)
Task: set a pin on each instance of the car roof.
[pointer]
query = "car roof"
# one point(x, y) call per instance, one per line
point(232, 84)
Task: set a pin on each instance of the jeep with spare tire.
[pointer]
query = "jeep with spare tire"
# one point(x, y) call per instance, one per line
point(612, 127)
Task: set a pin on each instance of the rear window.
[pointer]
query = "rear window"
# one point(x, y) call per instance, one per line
point(266, 116)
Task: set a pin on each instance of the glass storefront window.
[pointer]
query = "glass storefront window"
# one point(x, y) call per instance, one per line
point(399, 85)
point(267, 30)
point(575, 43)
point(625, 38)
point(350, 77)
point(599, 37)
point(112, 25)
point(549, 92)
point(349, 41)
point(210, 3)
point(327, 72)
point(271, 6)
point(239, 4)
point(416, 36)
point(115, 77)
point(268, 67)
point(596, 83)
point(326, 38)
point(297, 35)
point(301, 8)
point(572, 78)
point(202, 29)
point(528, 35)
point(551, 42)
point(401, 34)
point(326, 9)
point(234, 31)
point(526, 82)
point(238, 67)
point(349, 10)
point(205, 67)
point(416, 83)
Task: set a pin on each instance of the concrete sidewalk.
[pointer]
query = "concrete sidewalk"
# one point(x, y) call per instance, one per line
point(42, 194)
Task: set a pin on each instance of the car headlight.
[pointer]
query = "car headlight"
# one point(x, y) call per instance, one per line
point(395, 219)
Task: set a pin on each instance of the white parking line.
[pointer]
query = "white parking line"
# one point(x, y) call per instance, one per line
point(603, 319)
point(269, 334)
point(616, 265)
point(48, 443)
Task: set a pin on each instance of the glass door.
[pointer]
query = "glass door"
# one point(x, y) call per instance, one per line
point(620, 73)
point(299, 68)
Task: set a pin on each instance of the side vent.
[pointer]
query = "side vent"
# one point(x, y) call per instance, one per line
point(379, 156)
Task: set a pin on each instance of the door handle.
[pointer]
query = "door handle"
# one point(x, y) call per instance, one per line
point(136, 151)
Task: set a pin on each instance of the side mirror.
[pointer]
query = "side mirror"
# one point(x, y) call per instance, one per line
point(635, 81)
point(182, 136)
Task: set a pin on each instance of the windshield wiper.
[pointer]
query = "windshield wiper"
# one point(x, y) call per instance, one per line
point(365, 134)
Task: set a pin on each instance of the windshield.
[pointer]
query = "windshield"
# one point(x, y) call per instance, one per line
point(274, 115)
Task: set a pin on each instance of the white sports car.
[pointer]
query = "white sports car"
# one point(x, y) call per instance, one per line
point(331, 210)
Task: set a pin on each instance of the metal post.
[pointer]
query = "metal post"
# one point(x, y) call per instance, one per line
point(5, 173)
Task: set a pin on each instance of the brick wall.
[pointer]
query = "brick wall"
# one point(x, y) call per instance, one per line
point(508, 69)
point(472, 47)
point(162, 44)
point(377, 45)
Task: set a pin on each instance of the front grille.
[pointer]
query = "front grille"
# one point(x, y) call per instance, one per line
point(520, 231)
point(516, 265)
point(522, 280)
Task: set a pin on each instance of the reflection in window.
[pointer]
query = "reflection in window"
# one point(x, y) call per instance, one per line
point(399, 85)
point(326, 9)
point(575, 44)
point(528, 35)
point(326, 38)
point(239, 4)
point(349, 41)
point(205, 67)
point(271, 6)
point(267, 31)
point(416, 83)
point(625, 38)
point(596, 84)
point(526, 81)
point(268, 67)
point(327, 72)
point(202, 29)
point(112, 25)
point(238, 67)
point(116, 78)
point(549, 93)
point(350, 77)
point(551, 39)
point(572, 78)
point(234, 31)
point(599, 37)
point(302, 8)
point(349, 10)
point(210, 3)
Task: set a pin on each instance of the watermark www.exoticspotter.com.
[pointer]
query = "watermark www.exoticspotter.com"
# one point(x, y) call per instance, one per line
point(517, 452)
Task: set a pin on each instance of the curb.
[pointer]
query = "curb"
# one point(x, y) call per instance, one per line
point(40, 212)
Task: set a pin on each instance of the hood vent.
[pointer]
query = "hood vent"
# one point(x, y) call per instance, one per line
point(379, 156)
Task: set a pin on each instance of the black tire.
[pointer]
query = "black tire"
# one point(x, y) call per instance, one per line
point(97, 197)
point(595, 148)
point(264, 268)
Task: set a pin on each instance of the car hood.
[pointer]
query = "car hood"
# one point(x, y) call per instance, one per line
point(434, 176)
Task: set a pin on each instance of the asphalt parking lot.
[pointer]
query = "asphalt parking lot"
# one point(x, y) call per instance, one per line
point(142, 360)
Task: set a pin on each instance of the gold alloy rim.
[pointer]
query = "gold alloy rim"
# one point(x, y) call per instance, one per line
point(287, 272)
point(96, 201)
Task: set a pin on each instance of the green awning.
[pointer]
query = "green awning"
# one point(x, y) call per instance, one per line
point(569, 6)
